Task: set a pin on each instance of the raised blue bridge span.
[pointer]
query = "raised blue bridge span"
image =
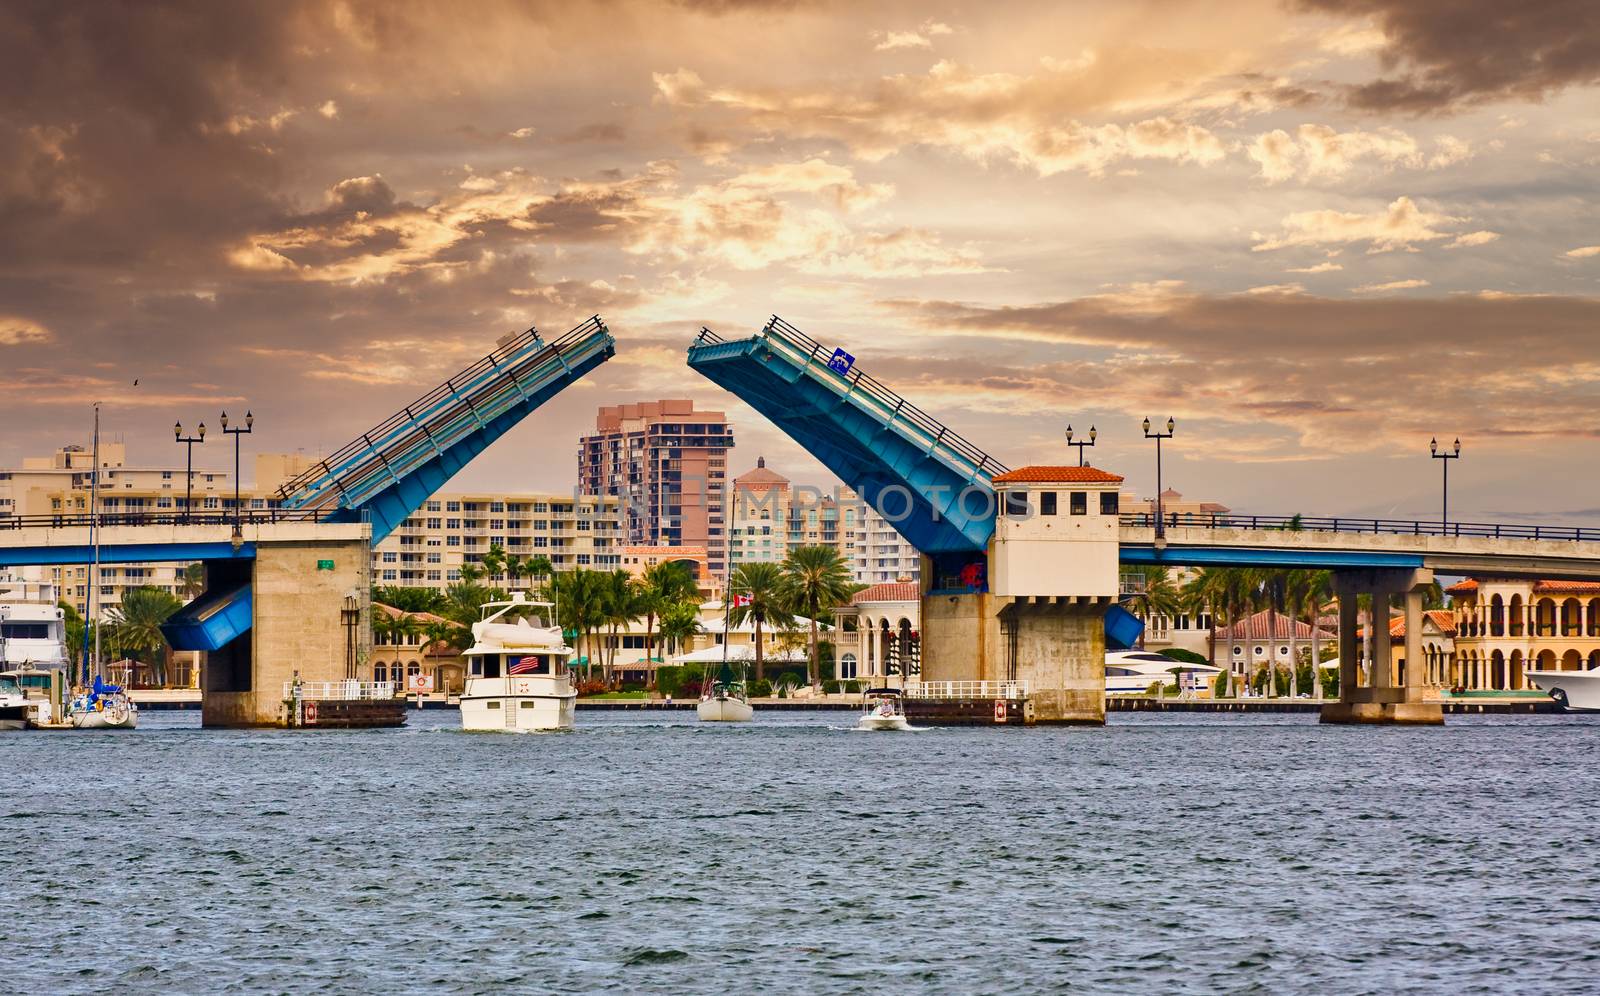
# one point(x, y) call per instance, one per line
point(387, 472)
point(935, 486)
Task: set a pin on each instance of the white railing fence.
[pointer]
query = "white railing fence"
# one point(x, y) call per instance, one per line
point(966, 689)
point(349, 689)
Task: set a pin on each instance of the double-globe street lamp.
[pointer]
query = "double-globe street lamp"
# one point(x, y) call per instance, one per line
point(236, 432)
point(1080, 444)
point(1158, 436)
point(1444, 507)
point(188, 472)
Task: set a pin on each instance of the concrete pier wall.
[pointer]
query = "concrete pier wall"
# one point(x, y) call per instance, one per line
point(1061, 653)
point(300, 588)
point(961, 638)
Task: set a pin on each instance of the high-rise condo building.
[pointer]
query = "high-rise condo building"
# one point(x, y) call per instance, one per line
point(668, 464)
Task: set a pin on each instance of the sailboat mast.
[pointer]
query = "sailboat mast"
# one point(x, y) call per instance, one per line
point(94, 539)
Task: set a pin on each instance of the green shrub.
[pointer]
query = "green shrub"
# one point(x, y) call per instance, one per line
point(1219, 688)
point(759, 689)
point(678, 680)
point(1185, 656)
point(853, 687)
point(831, 687)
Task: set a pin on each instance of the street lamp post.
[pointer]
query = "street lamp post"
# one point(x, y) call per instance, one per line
point(1444, 507)
point(1158, 436)
point(1080, 444)
point(236, 432)
point(188, 467)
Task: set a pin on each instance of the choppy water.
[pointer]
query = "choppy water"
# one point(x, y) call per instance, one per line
point(1161, 853)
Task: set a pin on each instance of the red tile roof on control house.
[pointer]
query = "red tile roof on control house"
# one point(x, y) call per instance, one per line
point(1057, 475)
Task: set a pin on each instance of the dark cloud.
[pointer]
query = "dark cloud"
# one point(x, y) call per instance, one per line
point(1445, 53)
point(1347, 373)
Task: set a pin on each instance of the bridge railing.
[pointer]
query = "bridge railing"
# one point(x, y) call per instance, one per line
point(160, 517)
point(347, 690)
point(1344, 524)
point(966, 689)
point(808, 352)
point(436, 421)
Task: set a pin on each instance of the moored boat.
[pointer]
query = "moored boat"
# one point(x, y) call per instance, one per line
point(725, 701)
point(1573, 691)
point(517, 679)
point(103, 707)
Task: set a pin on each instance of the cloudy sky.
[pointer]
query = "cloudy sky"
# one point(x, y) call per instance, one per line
point(1314, 232)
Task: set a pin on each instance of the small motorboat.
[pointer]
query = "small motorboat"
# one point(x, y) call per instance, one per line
point(725, 700)
point(103, 707)
point(884, 711)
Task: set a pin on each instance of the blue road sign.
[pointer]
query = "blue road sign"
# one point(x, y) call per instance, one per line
point(841, 362)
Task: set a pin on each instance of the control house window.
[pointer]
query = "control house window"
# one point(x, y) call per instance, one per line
point(1047, 503)
point(1080, 503)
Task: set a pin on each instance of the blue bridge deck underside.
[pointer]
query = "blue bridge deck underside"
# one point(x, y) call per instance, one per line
point(389, 471)
point(930, 483)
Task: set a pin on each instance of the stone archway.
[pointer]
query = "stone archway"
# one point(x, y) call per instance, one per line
point(1517, 680)
point(1497, 671)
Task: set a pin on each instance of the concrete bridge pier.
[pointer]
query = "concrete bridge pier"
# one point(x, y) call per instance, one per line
point(301, 606)
point(1382, 700)
point(1055, 643)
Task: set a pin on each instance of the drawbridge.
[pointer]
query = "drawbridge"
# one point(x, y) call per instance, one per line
point(387, 472)
point(935, 487)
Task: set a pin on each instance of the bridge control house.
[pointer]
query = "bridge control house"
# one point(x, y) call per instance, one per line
point(1052, 577)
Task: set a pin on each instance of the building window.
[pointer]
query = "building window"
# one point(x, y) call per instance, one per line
point(1047, 503)
point(1017, 504)
point(1108, 503)
point(1080, 503)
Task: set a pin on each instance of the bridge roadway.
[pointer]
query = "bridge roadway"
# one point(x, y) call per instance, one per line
point(164, 537)
point(1457, 549)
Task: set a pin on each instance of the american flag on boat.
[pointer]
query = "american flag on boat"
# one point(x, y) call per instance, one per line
point(523, 665)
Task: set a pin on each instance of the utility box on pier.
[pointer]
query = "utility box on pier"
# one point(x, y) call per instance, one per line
point(1055, 533)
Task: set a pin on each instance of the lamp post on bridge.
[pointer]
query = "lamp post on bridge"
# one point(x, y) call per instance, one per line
point(236, 432)
point(1444, 507)
point(188, 466)
point(1080, 444)
point(1158, 436)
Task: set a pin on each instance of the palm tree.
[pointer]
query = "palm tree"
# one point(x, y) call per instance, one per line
point(621, 608)
point(471, 574)
point(138, 624)
point(756, 590)
point(1158, 597)
point(679, 622)
point(192, 581)
point(581, 596)
point(661, 586)
point(815, 579)
point(494, 562)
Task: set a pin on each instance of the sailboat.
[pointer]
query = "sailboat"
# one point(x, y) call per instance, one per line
point(725, 699)
point(102, 706)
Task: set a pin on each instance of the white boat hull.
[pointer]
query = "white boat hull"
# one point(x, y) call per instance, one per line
point(106, 719)
point(882, 723)
point(518, 705)
point(1574, 691)
point(725, 710)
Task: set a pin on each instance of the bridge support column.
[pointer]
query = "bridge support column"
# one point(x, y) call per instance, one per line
point(1382, 700)
point(298, 593)
point(1056, 644)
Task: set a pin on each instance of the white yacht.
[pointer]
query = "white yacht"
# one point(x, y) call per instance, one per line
point(725, 700)
point(31, 696)
point(1131, 672)
point(1574, 691)
point(517, 678)
point(33, 657)
point(103, 707)
point(885, 710)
